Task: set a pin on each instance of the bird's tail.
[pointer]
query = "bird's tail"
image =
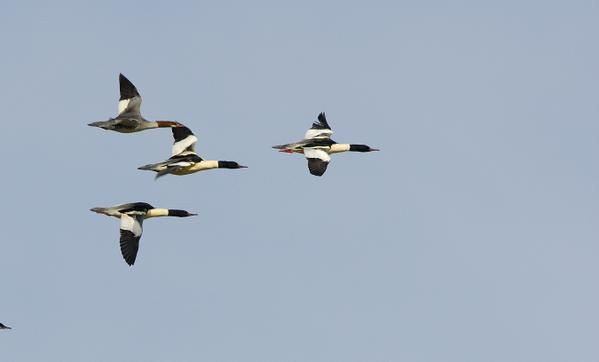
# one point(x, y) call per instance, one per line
point(165, 171)
point(160, 168)
point(100, 210)
point(290, 147)
point(281, 147)
point(157, 167)
point(99, 124)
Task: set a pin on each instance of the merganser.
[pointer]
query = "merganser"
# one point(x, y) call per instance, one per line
point(129, 118)
point(185, 160)
point(317, 146)
point(132, 216)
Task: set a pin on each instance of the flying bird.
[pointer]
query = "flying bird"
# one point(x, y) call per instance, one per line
point(2, 326)
point(132, 216)
point(317, 146)
point(184, 159)
point(129, 118)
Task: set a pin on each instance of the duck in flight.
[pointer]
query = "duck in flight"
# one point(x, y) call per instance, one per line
point(184, 159)
point(2, 326)
point(317, 146)
point(132, 216)
point(129, 119)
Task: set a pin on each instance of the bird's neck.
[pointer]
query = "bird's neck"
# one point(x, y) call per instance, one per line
point(159, 124)
point(339, 147)
point(156, 213)
point(204, 165)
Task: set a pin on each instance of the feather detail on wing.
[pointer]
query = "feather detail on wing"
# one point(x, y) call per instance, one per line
point(185, 140)
point(318, 160)
point(319, 129)
point(318, 133)
point(131, 230)
point(130, 100)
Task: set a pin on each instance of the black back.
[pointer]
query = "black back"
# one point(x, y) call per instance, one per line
point(320, 142)
point(137, 206)
point(192, 157)
point(128, 90)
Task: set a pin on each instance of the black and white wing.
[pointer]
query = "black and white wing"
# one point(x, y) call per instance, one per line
point(140, 207)
point(319, 129)
point(185, 140)
point(2, 326)
point(318, 160)
point(130, 101)
point(178, 162)
point(131, 230)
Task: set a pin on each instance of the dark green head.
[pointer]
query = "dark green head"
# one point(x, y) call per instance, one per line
point(179, 213)
point(362, 148)
point(229, 164)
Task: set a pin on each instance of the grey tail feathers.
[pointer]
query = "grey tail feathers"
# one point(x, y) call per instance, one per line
point(166, 171)
point(100, 210)
point(149, 167)
point(161, 169)
point(100, 124)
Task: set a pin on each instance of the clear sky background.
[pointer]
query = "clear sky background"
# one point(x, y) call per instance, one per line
point(472, 235)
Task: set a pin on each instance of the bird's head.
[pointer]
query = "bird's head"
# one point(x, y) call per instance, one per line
point(230, 164)
point(179, 213)
point(362, 148)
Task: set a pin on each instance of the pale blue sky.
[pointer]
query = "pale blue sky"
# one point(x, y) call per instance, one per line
point(472, 236)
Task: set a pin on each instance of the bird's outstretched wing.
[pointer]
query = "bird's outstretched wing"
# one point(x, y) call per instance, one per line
point(185, 140)
point(130, 100)
point(319, 129)
point(318, 160)
point(131, 230)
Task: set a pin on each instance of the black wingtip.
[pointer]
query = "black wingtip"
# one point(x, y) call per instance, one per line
point(128, 90)
point(130, 260)
point(316, 166)
point(122, 78)
point(129, 246)
point(322, 122)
